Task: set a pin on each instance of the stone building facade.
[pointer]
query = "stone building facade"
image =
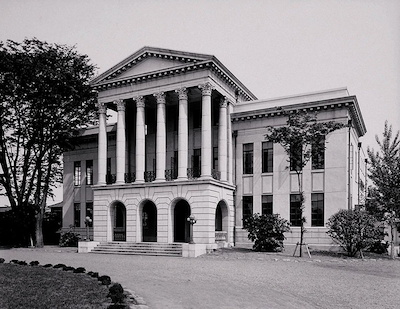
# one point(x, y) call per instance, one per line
point(189, 141)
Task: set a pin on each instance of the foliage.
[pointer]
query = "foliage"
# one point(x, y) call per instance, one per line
point(2, 260)
point(59, 266)
point(303, 136)
point(69, 239)
point(105, 280)
point(79, 270)
point(52, 223)
point(266, 231)
point(34, 263)
point(354, 230)
point(379, 247)
point(47, 265)
point(68, 268)
point(45, 98)
point(384, 171)
point(116, 293)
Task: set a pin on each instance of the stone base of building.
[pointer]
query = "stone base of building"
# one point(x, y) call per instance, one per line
point(195, 250)
point(87, 246)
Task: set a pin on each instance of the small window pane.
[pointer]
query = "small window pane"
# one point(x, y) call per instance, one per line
point(267, 205)
point(89, 172)
point(77, 173)
point(247, 158)
point(247, 206)
point(267, 157)
point(317, 209)
point(295, 209)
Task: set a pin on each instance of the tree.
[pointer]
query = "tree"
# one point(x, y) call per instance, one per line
point(384, 171)
point(302, 138)
point(45, 98)
point(354, 230)
point(267, 231)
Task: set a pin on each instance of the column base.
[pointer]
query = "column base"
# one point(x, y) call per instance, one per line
point(182, 178)
point(159, 180)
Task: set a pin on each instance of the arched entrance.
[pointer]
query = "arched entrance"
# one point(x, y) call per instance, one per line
point(149, 222)
point(181, 225)
point(119, 222)
point(221, 222)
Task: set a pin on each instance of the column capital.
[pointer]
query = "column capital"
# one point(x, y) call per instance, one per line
point(206, 89)
point(102, 107)
point(182, 93)
point(139, 101)
point(120, 105)
point(224, 102)
point(160, 97)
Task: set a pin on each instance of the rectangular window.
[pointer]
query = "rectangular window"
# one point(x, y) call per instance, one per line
point(295, 210)
point(215, 158)
point(296, 154)
point(77, 214)
point(267, 157)
point(318, 154)
point(266, 205)
point(248, 158)
point(77, 173)
point(317, 209)
point(89, 172)
point(247, 206)
point(89, 210)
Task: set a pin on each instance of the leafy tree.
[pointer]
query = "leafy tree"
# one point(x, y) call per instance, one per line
point(354, 230)
point(45, 98)
point(384, 171)
point(267, 231)
point(302, 137)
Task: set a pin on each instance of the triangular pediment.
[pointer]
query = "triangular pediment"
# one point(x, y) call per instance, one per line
point(148, 60)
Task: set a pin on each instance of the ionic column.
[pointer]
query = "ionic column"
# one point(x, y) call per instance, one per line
point(183, 133)
point(222, 140)
point(206, 134)
point(230, 146)
point(102, 150)
point(121, 142)
point(161, 142)
point(140, 139)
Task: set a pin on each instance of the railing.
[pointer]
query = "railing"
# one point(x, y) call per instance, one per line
point(193, 173)
point(216, 174)
point(171, 174)
point(111, 178)
point(130, 177)
point(149, 176)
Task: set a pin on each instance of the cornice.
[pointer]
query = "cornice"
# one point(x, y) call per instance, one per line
point(349, 102)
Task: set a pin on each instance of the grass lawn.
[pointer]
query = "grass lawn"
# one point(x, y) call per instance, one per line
point(38, 287)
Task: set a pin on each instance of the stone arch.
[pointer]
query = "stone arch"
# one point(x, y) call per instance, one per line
point(180, 211)
point(148, 221)
point(118, 221)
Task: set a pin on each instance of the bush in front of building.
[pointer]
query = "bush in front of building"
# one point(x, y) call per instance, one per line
point(266, 231)
point(69, 238)
point(354, 230)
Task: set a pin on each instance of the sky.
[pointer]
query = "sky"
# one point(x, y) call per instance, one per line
point(275, 48)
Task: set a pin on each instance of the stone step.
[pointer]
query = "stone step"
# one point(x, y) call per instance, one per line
point(158, 249)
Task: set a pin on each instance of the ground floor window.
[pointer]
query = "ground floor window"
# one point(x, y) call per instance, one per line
point(77, 214)
point(89, 210)
point(247, 206)
point(266, 205)
point(295, 209)
point(317, 209)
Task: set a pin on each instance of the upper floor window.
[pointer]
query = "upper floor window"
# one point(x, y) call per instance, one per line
point(248, 158)
point(89, 172)
point(266, 205)
point(296, 156)
point(317, 209)
point(318, 154)
point(77, 173)
point(267, 157)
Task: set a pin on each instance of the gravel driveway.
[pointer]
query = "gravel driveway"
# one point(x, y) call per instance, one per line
point(240, 279)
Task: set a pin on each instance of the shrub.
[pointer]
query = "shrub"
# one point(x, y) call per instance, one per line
point(79, 270)
point(14, 262)
point(69, 239)
point(105, 280)
point(354, 230)
point(2, 260)
point(59, 266)
point(379, 247)
point(267, 231)
point(93, 274)
point(34, 263)
point(68, 268)
point(22, 263)
point(116, 293)
point(47, 265)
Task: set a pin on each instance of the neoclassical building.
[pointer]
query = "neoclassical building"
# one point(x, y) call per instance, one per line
point(189, 141)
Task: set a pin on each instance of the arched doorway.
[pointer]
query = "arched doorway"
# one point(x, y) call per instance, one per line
point(181, 225)
point(221, 222)
point(149, 222)
point(119, 222)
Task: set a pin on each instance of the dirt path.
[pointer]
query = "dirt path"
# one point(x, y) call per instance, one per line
point(240, 280)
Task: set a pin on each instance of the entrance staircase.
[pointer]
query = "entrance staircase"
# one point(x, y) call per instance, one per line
point(142, 248)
